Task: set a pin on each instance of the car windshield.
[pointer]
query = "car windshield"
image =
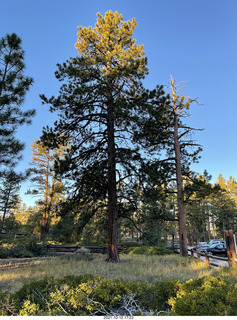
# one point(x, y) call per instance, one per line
point(219, 245)
point(214, 241)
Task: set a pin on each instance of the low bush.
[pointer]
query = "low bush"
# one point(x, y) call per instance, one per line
point(34, 247)
point(24, 247)
point(130, 244)
point(148, 250)
point(231, 302)
point(90, 295)
point(19, 253)
point(7, 307)
point(38, 292)
point(204, 297)
point(3, 253)
point(15, 252)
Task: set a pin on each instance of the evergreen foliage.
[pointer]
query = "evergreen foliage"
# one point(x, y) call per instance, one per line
point(181, 150)
point(44, 181)
point(9, 197)
point(89, 295)
point(99, 106)
point(13, 87)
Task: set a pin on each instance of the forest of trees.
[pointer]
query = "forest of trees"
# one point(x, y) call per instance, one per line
point(117, 163)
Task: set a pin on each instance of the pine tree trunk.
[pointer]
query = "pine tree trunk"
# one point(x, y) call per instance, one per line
point(44, 222)
point(175, 233)
point(214, 227)
point(113, 254)
point(180, 193)
point(50, 202)
point(208, 225)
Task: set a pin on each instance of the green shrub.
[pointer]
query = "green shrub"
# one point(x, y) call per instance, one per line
point(159, 250)
point(3, 253)
point(15, 252)
point(30, 309)
point(90, 295)
point(231, 302)
point(26, 254)
point(85, 295)
point(130, 244)
point(148, 250)
point(34, 291)
point(19, 253)
point(34, 247)
point(161, 292)
point(38, 292)
point(6, 306)
point(23, 247)
point(202, 297)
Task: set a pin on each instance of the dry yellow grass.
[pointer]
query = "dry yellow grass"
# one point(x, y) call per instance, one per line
point(132, 267)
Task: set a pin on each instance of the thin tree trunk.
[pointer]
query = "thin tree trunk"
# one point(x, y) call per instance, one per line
point(175, 233)
point(50, 202)
point(223, 224)
point(192, 241)
point(113, 254)
point(214, 227)
point(44, 222)
point(208, 225)
point(180, 193)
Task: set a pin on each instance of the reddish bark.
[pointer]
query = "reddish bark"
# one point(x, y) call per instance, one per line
point(113, 254)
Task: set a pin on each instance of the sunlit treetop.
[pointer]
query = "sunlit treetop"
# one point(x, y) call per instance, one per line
point(110, 44)
point(180, 103)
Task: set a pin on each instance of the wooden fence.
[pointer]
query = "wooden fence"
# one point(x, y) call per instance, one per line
point(72, 249)
point(210, 259)
point(230, 260)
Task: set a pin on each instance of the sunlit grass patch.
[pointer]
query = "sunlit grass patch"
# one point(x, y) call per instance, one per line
point(132, 267)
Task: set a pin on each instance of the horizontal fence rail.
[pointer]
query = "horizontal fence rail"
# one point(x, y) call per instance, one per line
point(211, 260)
point(75, 249)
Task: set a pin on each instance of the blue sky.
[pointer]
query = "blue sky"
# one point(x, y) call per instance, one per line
point(191, 40)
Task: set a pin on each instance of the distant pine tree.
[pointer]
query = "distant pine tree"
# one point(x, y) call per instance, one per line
point(44, 182)
point(9, 197)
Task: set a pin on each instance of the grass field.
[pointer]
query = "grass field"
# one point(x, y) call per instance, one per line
point(133, 267)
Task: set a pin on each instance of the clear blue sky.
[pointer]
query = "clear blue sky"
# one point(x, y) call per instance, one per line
point(194, 40)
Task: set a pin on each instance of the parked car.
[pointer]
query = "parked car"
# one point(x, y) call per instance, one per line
point(201, 248)
point(207, 244)
point(202, 244)
point(215, 241)
point(218, 249)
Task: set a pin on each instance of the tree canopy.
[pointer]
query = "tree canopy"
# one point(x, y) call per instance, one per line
point(99, 106)
point(13, 87)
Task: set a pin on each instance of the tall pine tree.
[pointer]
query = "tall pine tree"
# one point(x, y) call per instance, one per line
point(44, 180)
point(13, 87)
point(99, 105)
point(169, 140)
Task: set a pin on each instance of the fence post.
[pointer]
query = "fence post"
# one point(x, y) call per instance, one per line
point(207, 259)
point(230, 246)
point(198, 255)
point(192, 252)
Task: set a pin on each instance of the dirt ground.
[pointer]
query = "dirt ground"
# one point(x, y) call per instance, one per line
point(11, 263)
